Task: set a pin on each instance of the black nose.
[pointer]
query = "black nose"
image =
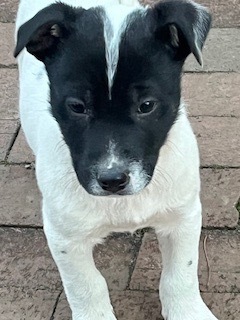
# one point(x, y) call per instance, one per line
point(113, 180)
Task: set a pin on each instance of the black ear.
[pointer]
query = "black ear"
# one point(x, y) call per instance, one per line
point(183, 26)
point(42, 34)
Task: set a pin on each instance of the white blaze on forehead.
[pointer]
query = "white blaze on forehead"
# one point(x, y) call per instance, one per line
point(115, 23)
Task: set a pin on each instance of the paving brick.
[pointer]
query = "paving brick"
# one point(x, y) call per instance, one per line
point(25, 305)
point(138, 305)
point(212, 94)
point(27, 268)
point(128, 305)
point(7, 44)
point(148, 266)
point(21, 152)
point(8, 126)
point(221, 52)
point(220, 194)
point(26, 262)
point(114, 259)
point(7, 132)
point(20, 198)
point(223, 253)
point(141, 305)
point(8, 94)
point(8, 9)
point(26, 256)
point(225, 13)
point(224, 306)
point(218, 140)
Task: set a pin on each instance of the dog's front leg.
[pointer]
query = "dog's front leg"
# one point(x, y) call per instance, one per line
point(85, 287)
point(179, 288)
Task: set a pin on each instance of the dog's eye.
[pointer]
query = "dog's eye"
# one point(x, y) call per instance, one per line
point(76, 106)
point(147, 107)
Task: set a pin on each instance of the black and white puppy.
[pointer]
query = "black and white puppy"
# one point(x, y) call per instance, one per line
point(100, 104)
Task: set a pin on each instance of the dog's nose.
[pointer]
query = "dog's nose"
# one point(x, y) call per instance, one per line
point(112, 180)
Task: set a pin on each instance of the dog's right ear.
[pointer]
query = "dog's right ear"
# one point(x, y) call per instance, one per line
point(42, 34)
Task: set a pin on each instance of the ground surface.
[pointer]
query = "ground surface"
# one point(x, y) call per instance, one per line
point(30, 287)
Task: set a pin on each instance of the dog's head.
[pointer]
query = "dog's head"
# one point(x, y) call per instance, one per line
point(115, 87)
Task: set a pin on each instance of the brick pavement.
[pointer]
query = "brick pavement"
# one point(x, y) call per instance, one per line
point(30, 287)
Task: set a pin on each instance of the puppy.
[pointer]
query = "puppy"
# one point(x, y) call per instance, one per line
point(101, 108)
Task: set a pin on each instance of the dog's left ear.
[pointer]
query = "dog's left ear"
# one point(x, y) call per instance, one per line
point(182, 26)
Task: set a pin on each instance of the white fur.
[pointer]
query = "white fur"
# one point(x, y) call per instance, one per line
point(115, 23)
point(75, 221)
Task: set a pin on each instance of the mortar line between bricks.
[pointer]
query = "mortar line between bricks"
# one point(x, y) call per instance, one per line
point(55, 305)
point(195, 72)
point(7, 21)
point(9, 66)
point(234, 230)
point(19, 164)
point(219, 167)
point(14, 137)
point(213, 116)
point(237, 206)
point(23, 226)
